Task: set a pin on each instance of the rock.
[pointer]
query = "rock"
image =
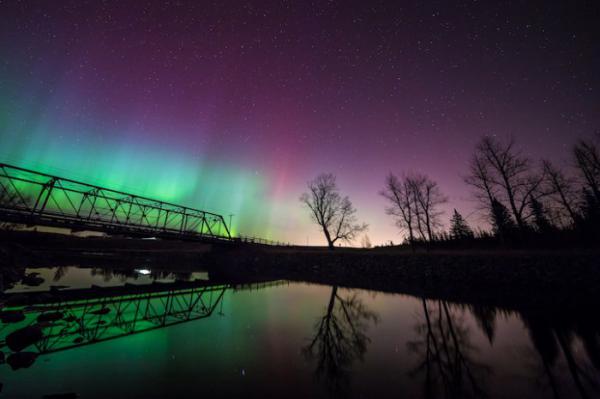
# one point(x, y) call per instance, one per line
point(21, 360)
point(12, 316)
point(50, 316)
point(2, 357)
point(22, 338)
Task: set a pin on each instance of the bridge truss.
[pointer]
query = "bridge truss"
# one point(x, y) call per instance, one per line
point(35, 198)
point(72, 318)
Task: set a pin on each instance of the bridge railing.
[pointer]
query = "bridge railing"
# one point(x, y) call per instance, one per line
point(263, 241)
point(32, 197)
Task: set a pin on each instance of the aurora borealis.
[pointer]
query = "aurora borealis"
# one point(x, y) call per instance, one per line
point(232, 106)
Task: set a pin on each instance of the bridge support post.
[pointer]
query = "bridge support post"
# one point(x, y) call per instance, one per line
point(46, 189)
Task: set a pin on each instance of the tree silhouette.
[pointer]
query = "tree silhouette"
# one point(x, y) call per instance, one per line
point(60, 272)
point(340, 339)
point(561, 190)
point(590, 209)
point(502, 224)
point(546, 346)
point(552, 340)
point(398, 194)
point(540, 220)
point(428, 197)
point(414, 201)
point(485, 316)
point(459, 229)
point(587, 159)
point(446, 355)
point(498, 171)
point(333, 213)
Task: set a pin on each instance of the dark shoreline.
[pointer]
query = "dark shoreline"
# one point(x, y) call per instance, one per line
point(507, 279)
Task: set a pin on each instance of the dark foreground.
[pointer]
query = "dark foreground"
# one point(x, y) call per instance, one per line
point(165, 319)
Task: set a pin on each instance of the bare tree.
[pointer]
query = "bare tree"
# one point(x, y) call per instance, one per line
point(414, 185)
point(480, 178)
point(414, 201)
point(333, 213)
point(397, 192)
point(498, 171)
point(561, 190)
point(428, 197)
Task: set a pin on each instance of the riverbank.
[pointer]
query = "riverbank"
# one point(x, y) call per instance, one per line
point(500, 278)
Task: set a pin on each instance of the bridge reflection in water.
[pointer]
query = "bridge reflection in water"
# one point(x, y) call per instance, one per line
point(41, 323)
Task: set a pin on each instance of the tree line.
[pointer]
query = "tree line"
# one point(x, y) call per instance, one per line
point(526, 202)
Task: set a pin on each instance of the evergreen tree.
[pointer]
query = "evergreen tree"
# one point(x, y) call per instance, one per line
point(503, 225)
point(459, 229)
point(590, 211)
point(540, 221)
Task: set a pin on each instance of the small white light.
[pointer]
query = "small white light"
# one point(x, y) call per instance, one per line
point(142, 271)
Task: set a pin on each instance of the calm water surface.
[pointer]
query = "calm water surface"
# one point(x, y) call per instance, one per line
point(280, 339)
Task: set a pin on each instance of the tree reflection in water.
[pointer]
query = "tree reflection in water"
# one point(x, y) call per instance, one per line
point(60, 273)
point(340, 339)
point(446, 354)
point(557, 339)
point(485, 316)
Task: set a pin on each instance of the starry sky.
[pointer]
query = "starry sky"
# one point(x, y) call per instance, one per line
point(232, 106)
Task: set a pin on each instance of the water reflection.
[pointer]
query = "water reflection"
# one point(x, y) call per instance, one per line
point(566, 340)
point(340, 339)
point(334, 341)
point(447, 356)
point(69, 277)
point(44, 322)
point(69, 320)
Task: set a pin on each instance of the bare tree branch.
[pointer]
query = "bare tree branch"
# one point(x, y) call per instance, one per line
point(497, 171)
point(333, 213)
point(414, 202)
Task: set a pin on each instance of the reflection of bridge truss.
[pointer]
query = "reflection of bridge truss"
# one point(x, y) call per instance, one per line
point(74, 319)
point(31, 197)
point(69, 324)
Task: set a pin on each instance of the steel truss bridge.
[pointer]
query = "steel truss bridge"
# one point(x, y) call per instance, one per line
point(73, 318)
point(33, 198)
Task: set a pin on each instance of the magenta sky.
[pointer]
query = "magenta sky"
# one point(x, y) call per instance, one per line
point(265, 95)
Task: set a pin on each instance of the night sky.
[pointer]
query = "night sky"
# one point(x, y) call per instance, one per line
point(232, 106)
